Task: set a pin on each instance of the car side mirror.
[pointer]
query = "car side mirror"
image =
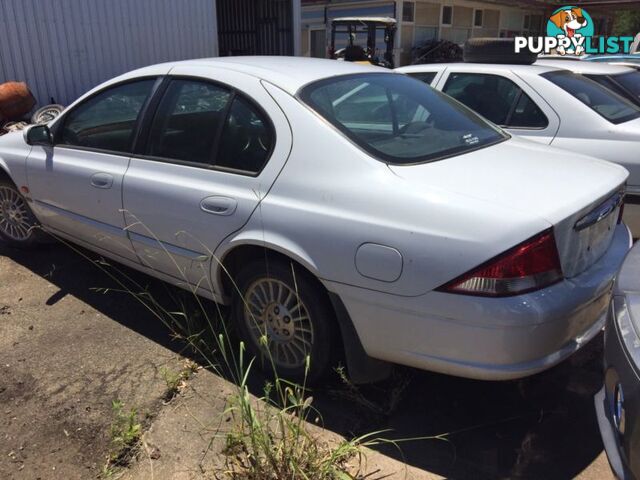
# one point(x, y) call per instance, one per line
point(39, 135)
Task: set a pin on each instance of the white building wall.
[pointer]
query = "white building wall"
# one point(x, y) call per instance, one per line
point(62, 48)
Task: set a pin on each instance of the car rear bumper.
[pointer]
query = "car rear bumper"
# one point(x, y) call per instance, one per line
point(487, 338)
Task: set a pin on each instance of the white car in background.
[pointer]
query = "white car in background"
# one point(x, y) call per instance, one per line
point(347, 209)
point(550, 105)
point(623, 80)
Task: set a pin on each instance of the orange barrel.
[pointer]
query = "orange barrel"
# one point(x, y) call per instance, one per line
point(15, 100)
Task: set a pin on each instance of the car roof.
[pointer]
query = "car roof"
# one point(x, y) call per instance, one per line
point(592, 68)
point(478, 67)
point(385, 20)
point(566, 58)
point(288, 73)
point(629, 56)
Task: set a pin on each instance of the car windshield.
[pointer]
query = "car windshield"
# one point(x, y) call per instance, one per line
point(398, 119)
point(598, 98)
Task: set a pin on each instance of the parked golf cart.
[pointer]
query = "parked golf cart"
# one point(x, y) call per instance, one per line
point(367, 27)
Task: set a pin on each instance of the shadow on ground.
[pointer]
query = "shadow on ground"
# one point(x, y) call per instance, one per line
point(541, 427)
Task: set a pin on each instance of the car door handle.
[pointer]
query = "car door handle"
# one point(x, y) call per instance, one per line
point(218, 205)
point(102, 180)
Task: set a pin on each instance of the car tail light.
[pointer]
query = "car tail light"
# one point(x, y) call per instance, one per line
point(532, 265)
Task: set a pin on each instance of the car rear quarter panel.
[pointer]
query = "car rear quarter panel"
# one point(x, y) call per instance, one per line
point(331, 198)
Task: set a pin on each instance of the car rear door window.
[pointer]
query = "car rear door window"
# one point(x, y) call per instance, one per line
point(496, 98)
point(107, 121)
point(247, 138)
point(188, 121)
point(598, 98)
point(426, 77)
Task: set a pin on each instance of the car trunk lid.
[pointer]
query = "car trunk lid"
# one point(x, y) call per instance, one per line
point(558, 186)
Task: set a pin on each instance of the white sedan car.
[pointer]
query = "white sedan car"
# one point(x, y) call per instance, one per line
point(339, 208)
point(623, 80)
point(551, 105)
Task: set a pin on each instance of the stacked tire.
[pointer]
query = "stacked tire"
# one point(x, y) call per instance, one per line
point(496, 50)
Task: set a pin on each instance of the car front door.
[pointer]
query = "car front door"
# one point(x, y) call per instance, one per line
point(215, 144)
point(76, 185)
point(505, 100)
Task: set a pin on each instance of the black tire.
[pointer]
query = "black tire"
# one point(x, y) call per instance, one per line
point(309, 293)
point(19, 227)
point(496, 50)
point(46, 114)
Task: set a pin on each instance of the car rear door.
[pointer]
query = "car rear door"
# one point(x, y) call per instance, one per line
point(76, 185)
point(505, 99)
point(215, 143)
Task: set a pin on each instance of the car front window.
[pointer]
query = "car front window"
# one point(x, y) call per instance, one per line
point(598, 98)
point(399, 119)
point(107, 121)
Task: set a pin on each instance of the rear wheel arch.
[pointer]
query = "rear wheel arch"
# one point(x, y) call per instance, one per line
point(361, 367)
point(235, 258)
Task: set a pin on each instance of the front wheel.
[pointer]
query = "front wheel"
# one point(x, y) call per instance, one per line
point(283, 316)
point(18, 226)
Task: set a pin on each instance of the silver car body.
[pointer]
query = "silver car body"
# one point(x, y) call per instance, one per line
point(380, 237)
point(573, 126)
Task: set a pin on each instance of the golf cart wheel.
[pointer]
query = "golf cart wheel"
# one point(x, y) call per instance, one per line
point(284, 316)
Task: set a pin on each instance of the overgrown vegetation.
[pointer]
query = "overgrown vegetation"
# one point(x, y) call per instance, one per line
point(124, 437)
point(626, 23)
point(271, 437)
point(273, 440)
point(176, 381)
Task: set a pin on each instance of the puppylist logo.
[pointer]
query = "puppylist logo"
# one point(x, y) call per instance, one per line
point(570, 31)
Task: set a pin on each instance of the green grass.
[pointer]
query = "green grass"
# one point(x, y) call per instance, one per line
point(124, 436)
point(176, 381)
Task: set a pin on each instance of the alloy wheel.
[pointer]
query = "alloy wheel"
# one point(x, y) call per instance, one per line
point(15, 218)
point(275, 311)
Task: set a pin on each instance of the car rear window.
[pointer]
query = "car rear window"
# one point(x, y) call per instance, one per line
point(630, 81)
point(598, 98)
point(398, 119)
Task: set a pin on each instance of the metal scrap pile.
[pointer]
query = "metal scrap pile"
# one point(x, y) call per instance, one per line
point(436, 51)
point(16, 101)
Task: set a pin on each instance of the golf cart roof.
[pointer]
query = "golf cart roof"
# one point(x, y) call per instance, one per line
point(381, 20)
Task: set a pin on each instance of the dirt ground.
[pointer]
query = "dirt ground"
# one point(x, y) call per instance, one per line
point(68, 350)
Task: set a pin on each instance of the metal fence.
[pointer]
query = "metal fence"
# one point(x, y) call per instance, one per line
point(255, 27)
point(62, 48)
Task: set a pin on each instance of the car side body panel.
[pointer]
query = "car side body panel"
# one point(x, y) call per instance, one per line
point(165, 202)
point(13, 157)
